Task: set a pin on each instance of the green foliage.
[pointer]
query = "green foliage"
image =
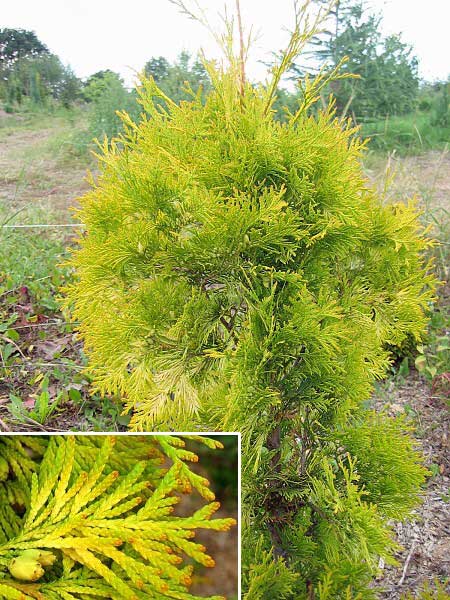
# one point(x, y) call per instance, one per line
point(43, 407)
point(41, 79)
point(71, 509)
point(30, 259)
point(264, 251)
point(222, 467)
point(70, 88)
point(409, 134)
point(107, 95)
point(240, 273)
point(100, 83)
point(441, 107)
point(265, 577)
point(433, 359)
point(388, 465)
point(285, 103)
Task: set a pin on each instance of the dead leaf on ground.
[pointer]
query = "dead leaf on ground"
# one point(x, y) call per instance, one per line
point(49, 348)
point(29, 402)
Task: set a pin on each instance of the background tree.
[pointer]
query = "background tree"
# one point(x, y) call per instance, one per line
point(42, 78)
point(15, 45)
point(441, 105)
point(19, 43)
point(173, 79)
point(387, 79)
point(70, 88)
point(108, 95)
point(96, 83)
point(158, 68)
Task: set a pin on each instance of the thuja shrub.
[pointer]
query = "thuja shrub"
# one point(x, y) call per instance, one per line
point(92, 517)
point(239, 272)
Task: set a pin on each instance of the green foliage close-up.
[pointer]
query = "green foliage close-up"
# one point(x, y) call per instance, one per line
point(240, 273)
point(84, 517)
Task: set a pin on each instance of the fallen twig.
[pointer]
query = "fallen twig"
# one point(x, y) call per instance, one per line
point(405, 568)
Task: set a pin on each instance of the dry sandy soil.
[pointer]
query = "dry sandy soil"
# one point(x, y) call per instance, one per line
point(425, 539)
point(426, 177)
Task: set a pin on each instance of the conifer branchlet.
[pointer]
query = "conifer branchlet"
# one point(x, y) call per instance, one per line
point(86, 517)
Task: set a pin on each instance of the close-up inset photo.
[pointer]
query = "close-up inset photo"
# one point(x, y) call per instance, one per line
point(119, 517)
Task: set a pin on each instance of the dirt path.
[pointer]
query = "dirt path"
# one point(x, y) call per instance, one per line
point(35, 173)
point(426, 177)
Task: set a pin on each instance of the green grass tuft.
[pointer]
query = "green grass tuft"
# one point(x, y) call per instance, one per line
point(408, 134)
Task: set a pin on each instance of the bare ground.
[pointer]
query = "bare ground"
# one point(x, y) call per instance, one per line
point(424, 177)
point(426, 538)
point(223, 547)
point(39, 183)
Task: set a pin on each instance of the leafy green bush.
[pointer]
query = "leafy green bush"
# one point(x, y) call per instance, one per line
point(107, 95)
point(240, 273)
point(112, 97)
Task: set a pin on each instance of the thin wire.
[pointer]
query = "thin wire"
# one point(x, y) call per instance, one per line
point(28, 362)
point(40, 225)
point(48, 324)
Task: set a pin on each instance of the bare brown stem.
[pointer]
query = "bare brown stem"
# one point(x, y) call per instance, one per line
point(241, 48)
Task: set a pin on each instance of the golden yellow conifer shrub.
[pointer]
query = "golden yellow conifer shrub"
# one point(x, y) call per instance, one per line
point(239, 272)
